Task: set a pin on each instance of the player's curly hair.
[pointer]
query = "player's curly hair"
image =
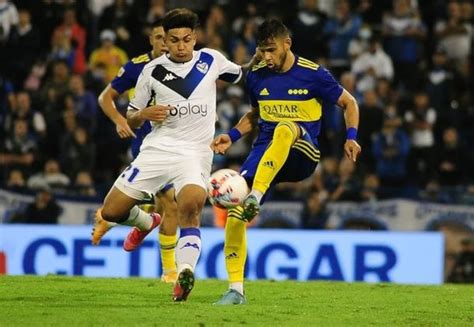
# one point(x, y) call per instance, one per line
point(180, 17)
point(269, 29)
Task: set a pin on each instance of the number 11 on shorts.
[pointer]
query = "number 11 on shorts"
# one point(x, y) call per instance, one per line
point(132, 175)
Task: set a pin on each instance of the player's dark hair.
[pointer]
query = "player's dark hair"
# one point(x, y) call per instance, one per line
point(157, 23)
point(270, 29)
point(179, 18)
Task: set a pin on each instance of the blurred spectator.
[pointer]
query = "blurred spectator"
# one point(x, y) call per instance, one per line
point(385, 93)
point(57, 82)
point(62, 49)
point(77, 35)
point(308, 31)
point(44, 210)
point(118, 17)
point(455, 34)
point(340, 30)
point(16, 180)
point(108, 55)
point(24, 111)
point(420, 121)
point(326, 178)
point(348, 81)
point(403, 31)
point(440, 82)
point(7, 102)
point(84, 184)
point(451, 159)
point(77, 153)
point(24, 47)
point(372, 64)
point(390, 148)
point(349, 186)
point(8, 19)
point(463, 270)
point(371, 188)
point(371, 121)
point(454, 234)
point(50, 178)
point(18, 149)
point(85, 103)
point(314, 214)
point(434, 193)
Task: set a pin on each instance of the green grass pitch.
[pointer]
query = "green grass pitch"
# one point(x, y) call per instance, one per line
point(74, 301)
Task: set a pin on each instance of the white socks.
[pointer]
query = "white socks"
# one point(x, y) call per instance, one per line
point(257, 194)
point(188, 249)
point(139, 219)
point(237, 286)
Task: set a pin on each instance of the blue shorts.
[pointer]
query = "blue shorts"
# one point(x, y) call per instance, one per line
point(301, 163)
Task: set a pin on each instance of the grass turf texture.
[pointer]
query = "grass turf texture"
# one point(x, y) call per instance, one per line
point(74, 301)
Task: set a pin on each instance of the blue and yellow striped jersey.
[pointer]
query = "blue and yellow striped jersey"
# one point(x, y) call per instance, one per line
point(296, 95)
point(126, 80)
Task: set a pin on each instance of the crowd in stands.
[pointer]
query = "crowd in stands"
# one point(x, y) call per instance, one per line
point(408, 63)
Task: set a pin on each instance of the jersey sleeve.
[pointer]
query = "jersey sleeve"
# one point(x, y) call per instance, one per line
point(228, 71)
point(326, 87)
point(249, 82)
point(124, 80)
point(143, 92)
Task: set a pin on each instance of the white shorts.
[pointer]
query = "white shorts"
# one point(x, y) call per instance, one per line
point(152, 170)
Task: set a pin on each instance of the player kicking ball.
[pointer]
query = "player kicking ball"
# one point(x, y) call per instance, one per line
point(126, 80)
point(176, 151)
point(287, 94)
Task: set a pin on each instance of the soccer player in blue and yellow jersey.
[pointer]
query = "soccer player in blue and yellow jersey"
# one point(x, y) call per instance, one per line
point(287, 94)
point(126, 80)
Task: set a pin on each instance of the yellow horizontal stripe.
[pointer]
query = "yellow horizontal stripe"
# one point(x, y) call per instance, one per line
point(290, 110)
point(307, 66)
point(300, 146)
point(311, 146)
point(304, 151)
point(309, 62)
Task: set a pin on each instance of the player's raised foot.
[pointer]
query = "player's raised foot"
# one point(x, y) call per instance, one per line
point(100, 228)
point(169, 277)
point(251, 207)
point(232, 297)
point(135, 238)
point(183, 285)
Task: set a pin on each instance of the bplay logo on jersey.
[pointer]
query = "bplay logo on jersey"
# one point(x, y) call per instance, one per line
point(187, 109)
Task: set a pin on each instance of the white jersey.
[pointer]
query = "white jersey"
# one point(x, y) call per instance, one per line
point(190, 88)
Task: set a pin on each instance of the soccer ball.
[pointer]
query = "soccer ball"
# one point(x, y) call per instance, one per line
point(226, 188)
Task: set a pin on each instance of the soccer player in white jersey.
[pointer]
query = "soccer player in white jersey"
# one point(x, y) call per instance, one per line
point(177, 151)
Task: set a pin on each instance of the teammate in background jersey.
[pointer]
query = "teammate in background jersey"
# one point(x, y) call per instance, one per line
point(287, 93)
point(126, 79)
point(183, 84)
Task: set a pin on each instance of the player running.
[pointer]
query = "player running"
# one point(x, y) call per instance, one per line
point(126, 79)
point(287, 93)
point(183, 84)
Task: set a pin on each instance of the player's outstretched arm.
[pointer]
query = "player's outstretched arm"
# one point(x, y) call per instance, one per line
point(245, 125)
point(156, 113)
point(107, 104)
point(351, 116)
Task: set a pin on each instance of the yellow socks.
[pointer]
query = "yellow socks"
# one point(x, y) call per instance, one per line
point(235, 249)
point(275, 156)
point(167, 249)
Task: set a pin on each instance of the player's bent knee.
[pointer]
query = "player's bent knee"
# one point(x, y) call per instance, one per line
point(112, 214)
point(285, 131)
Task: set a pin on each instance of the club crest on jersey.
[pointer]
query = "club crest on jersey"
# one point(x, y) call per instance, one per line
point(203, 67)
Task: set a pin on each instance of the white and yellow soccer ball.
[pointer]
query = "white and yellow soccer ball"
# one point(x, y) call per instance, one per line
point(226, 188)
